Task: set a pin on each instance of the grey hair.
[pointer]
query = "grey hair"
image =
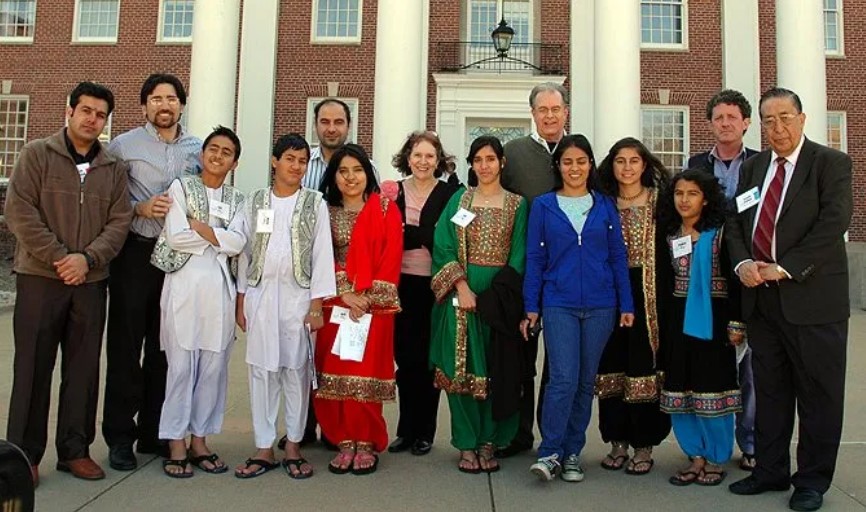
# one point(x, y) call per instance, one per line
point(780, 92)
point(548, 87)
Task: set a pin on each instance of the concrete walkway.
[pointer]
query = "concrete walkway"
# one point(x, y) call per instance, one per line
point(431, 483)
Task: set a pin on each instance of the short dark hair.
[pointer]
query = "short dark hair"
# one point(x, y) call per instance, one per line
point(714, 212)
point(780, 92)
point(329, 181)
point(484, 141)
point(729, 97)
point(220, 130)
point(290, 141)
point(334, 101)
point(580, 142)
point(156, 79)
point(443, 159)
point(655, 174)
point(93, 90)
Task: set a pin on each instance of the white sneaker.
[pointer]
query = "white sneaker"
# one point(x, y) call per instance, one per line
point(571, 470)
point(546, 468)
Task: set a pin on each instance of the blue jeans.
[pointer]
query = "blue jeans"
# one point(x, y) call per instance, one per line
point(574, 340)
point(745, 429)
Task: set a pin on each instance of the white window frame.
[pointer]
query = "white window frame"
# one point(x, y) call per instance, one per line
point(22, 39)
point(684, 45)
point(480, 48)
point(840, 30)
point(682, 109)
point(76, 29)
point(26, 99)
point(314, 23)
point(310, 132)
point(160, 29)
point(843, 129)
point(467, 25)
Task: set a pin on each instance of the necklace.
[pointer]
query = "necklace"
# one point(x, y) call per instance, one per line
point(632, 198)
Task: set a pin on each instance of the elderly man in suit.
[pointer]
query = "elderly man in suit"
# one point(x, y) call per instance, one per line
point(794, 205)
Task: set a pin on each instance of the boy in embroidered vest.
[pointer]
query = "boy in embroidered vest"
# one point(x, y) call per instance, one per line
point(201, 233)
point(284, 273)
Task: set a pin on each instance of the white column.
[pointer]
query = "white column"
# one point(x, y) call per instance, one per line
point(256, 90)
point(214, 65)
point(741, 64)
point(396, 110)
point(581, 64)
point(616, 73)
point(800, 60)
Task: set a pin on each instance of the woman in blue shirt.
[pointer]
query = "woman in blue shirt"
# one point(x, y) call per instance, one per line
point(577, 271)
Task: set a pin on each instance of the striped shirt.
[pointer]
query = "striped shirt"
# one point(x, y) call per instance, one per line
point(153, 165)
point(316, 170)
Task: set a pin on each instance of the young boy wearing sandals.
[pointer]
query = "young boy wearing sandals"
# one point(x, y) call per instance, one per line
point(201, 233)
point(284, 273)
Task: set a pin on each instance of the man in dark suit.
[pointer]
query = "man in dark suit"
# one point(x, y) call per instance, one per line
point(795, 204)
point(729, 115)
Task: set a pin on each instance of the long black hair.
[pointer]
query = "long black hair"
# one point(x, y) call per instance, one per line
point(580, 142)
point(329, 181)
point(654, 175)
point(714, 212)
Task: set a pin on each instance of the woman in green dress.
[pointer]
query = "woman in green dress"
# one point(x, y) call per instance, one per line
point(481, 231)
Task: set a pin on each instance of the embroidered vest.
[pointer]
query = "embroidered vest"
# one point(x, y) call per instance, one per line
point(169, 260)
point(303, 231)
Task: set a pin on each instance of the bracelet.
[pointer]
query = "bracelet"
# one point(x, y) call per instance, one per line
point(315, 314)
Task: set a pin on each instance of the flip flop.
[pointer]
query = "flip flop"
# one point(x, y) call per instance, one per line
point(712, 483)
point(617, 462)
point(198, 460)
point(471, 471)
point(679, 481)
point(635, 463)
point(181, 463)
point(296, 463)
point(264, 467)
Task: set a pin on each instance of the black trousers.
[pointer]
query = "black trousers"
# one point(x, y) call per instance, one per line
point(419, 399)
point(134, 385)
point(802, 368)
point(49, 314)
point(528, 412)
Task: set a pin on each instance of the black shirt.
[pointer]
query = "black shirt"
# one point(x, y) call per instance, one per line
point(81, 159)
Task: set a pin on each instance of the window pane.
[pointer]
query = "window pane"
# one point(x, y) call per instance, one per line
point(662, 21)
point(97, 18)
point(177, 19)
point(13, 119)
point(17, 18)
point(337, 18)
point(664, 132)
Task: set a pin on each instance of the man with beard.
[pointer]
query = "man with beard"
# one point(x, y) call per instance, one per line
point(157, 154)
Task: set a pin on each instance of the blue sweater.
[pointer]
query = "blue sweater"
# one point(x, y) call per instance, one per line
point(586, 270)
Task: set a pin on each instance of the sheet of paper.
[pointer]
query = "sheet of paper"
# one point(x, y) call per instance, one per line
point(352, 338)
point(265, 221)
point(220, 210)
point(463, 217)
point(748, 199)
point(339, 315)
point(682, 246)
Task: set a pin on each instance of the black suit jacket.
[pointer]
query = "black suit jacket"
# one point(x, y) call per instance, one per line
point(814, 216)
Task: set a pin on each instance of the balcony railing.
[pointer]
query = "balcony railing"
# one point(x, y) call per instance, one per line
point(538, 58)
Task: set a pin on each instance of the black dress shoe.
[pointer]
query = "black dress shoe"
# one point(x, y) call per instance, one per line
point(421, 447)
point(512, 450)
point(805, 500)
point(401, 444)
point(158, 448)
point(750, 485)
point(121, 458)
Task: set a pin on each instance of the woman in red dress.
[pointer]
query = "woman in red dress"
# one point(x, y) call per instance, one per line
point(366, 229)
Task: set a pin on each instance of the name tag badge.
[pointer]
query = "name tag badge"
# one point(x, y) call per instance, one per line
point(463, 217)
point(682, 246)
point(83, 169)
point(220, 210)
point(748, 199)
point(265, 221)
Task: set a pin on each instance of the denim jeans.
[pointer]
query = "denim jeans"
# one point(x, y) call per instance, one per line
point(574, 340)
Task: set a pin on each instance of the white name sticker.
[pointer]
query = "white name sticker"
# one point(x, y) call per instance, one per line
point(265, 221)
point(455, 302)
point(220, 210)
point(748, 199)
point(83, 170)
point(463, 217)
point(682, 246)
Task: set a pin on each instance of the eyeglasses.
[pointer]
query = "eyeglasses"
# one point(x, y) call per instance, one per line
point(785, 119)
point(544, 110)
point(173, 101)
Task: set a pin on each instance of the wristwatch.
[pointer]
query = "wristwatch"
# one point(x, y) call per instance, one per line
point(782, 271)
point(92, 262)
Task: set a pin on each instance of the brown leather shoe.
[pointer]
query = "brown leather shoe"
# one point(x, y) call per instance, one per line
point(84, 468)
point(34, 472)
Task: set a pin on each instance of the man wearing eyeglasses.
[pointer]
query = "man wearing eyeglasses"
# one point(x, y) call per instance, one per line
point(787, 241)
point(157, 153)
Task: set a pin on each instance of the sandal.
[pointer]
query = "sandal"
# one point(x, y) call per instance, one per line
point(748, 462)
point(472, 467)
point(344, 459)
point(615, 463)
point(715, 477)
point(297, 464)
point(180, 463)
point(215, 469)
point(487, 459)
point(264, 467)
point(646, 465)
point(683, 478)
point(365, 461)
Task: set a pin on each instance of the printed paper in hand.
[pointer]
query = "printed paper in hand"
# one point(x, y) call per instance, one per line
point(351, 340)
